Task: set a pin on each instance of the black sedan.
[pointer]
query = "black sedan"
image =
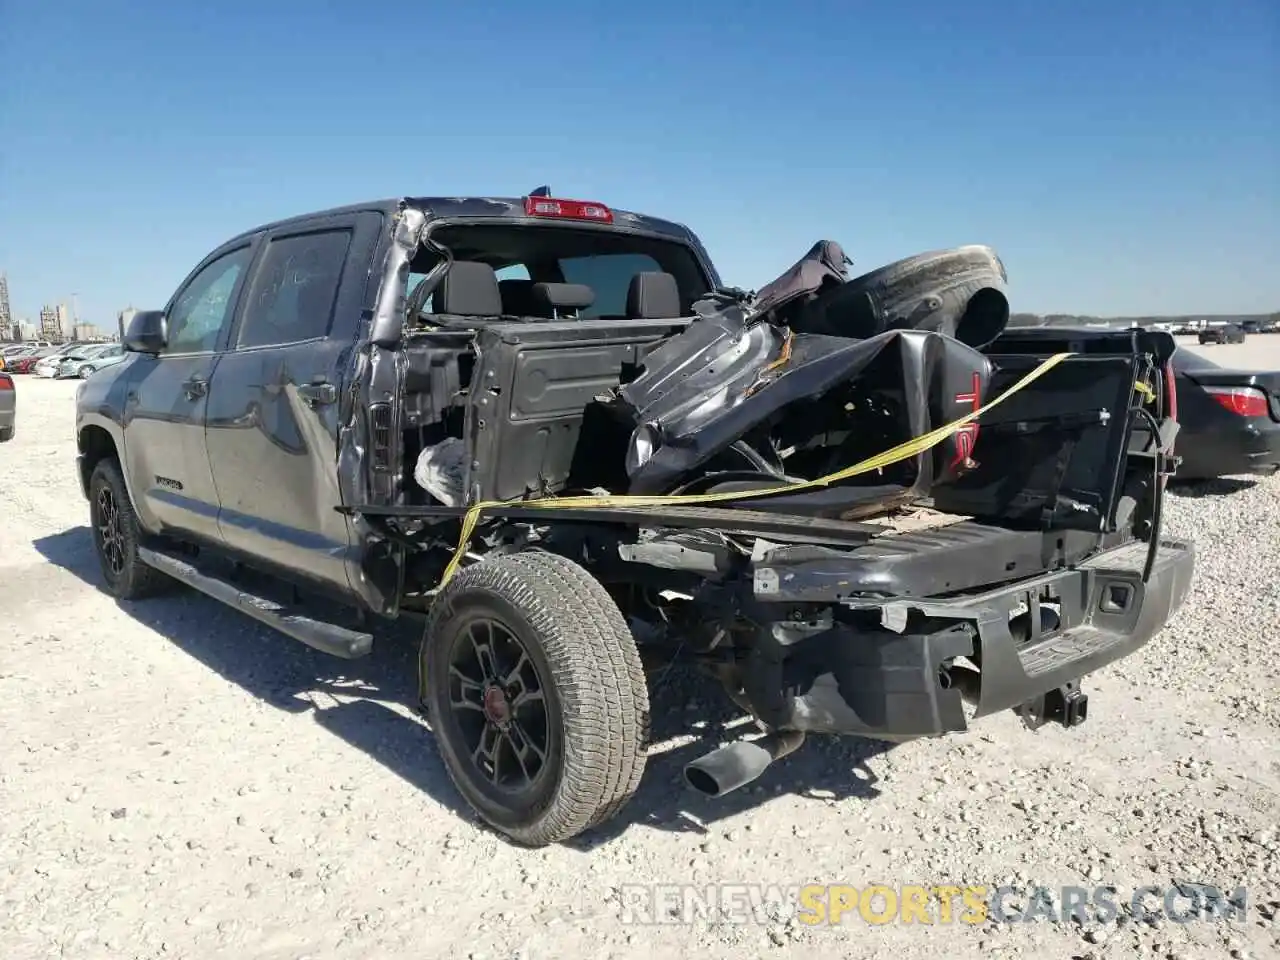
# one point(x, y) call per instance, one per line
point(1229, 420)
point(1228, 333)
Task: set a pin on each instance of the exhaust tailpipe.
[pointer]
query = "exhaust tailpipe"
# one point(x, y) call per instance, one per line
point(737, 764)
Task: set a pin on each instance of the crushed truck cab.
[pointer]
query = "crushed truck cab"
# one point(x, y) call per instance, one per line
point(862, 504)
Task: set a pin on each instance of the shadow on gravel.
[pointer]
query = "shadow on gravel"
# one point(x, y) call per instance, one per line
point(355, 700)
point(290, 676)
point(824, 769)
point(1218, 487)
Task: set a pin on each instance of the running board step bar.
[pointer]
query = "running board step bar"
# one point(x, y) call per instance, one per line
point(329, 638)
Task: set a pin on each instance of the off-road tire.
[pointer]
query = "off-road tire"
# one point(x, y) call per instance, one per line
point(6, 434)
point(960, 291)
point(588, 664)
point(134, 580)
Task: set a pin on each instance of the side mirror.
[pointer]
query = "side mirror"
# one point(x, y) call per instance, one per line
point(148, 332)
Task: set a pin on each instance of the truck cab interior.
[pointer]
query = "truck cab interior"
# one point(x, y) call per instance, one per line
point(524, 260)
point(610, 290)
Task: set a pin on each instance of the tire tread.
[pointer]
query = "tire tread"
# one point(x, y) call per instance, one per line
point(598, 677)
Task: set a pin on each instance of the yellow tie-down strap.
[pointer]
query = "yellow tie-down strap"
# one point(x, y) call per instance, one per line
point(903, 451)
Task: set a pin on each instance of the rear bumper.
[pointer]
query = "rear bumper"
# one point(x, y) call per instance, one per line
point(897, 681)
point(1252, 448)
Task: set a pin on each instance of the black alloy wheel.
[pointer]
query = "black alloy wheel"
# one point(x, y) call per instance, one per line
point(534, 688)
point(117, 535)
point(497, 698)
point(106, 530)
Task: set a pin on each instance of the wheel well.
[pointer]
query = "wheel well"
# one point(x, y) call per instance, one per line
point(95, 445)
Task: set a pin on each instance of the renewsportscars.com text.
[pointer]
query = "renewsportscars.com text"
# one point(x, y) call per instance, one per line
point(969, 904)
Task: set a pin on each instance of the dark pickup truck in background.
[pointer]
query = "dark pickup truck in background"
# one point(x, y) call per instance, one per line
point(547, 425)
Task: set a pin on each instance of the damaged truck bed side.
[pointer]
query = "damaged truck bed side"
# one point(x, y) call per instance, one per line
point(863, 505)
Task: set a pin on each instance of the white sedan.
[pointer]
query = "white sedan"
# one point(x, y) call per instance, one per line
point(48, 367)
point(74, 362)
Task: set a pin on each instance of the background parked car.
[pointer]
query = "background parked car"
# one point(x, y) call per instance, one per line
point(107, 359)
point(74, 361)
point(1229, 420)
point(12, 352)
point(27, 362)
point(8, 407)
point(1227, 333)
point(48, 367)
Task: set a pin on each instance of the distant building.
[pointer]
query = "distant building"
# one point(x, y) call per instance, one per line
point(86, 331)
point(66, 322)
point(6, 314)
point(50, 325)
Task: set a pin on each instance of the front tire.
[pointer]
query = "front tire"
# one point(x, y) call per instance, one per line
point(117, 534)
point(536, 695)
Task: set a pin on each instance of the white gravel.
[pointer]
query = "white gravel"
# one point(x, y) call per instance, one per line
point(178, 782)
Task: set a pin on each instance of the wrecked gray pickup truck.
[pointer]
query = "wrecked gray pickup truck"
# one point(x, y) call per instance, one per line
point(863, 505)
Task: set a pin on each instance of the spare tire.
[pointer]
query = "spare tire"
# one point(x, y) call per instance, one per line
point(959, 292)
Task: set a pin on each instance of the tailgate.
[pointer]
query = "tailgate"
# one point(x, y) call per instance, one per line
point(1061, 453)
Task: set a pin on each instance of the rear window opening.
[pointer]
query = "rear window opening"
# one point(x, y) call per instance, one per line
point(592, 275)
point(592, 266)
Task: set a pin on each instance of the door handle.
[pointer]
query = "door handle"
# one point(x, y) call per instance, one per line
point(195, 388)
point(318, 392)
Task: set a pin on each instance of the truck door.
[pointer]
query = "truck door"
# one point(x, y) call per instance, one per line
point(273, 411)
point(165, 458)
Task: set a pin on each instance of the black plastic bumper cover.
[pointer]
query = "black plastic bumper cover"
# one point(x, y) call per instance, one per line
point(888, 683)
point(1251, 448)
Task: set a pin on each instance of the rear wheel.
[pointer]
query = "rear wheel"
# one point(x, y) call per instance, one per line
point(536, 695)
point(86, 373)
point(116, 536)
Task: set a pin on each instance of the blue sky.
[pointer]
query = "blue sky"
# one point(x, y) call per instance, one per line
point(1123, 157)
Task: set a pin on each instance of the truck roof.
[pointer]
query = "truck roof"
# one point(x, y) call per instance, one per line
point(511, 208)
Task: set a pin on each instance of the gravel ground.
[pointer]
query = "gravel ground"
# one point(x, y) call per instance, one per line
point(178, 782)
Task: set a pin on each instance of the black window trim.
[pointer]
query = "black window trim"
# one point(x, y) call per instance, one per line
point(237, 294)
point(344, 224)
point(702, 259)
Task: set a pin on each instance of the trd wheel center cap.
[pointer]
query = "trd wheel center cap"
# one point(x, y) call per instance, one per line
point(496, 708)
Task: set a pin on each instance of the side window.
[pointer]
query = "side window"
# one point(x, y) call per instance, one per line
point(609, 275)
point(514, 271)
point(204, 306)
point(294, 291)
point(414, 280)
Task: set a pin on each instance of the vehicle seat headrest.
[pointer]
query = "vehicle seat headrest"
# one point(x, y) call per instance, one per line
point(564, 296)
point(469, 289)
point(653, 296)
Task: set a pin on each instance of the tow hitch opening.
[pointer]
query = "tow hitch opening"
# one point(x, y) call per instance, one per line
point(1067, 705)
